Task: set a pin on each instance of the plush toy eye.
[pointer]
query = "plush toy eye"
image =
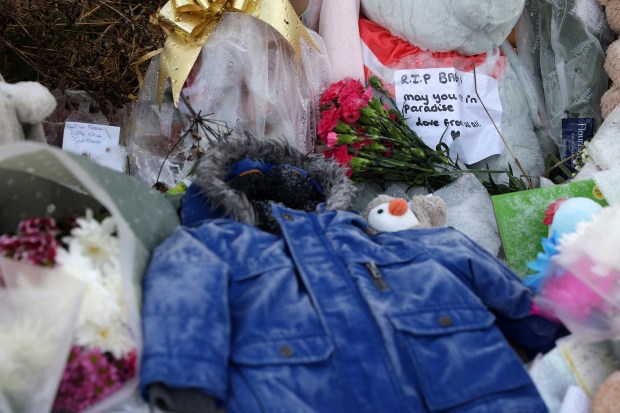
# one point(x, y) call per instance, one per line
point(379, 211)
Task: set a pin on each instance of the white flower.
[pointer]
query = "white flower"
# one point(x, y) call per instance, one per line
point(92, 256)
point(99, 305)
point(113, 338)
point(94, 239)
point(26, 349)
point(73, 262)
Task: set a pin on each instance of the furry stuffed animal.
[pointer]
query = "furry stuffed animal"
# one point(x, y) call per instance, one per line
point(442, 34)
point(607, 397)
point(23, 106)
point(386, 213)
point(611, 98)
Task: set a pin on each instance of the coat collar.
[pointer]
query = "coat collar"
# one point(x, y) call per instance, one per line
point(210, 196)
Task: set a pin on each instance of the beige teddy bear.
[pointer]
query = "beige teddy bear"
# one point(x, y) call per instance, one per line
point(23, 106)
point(611, 98)
point(607, 397)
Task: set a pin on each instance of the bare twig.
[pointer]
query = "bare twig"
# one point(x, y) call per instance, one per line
point(516, 160)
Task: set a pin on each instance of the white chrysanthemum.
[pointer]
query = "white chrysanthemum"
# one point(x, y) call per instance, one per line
point(100, 305)
point(113, 283)
point(78, 265)
point(113, 338)
point(94, 239)
point(26, 349)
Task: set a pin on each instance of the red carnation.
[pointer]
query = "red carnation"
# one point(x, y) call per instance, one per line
point(341, 154)
point(332, 92)
point(351, 106)
point(359, 145)
point(351, 88)
point(329, 120)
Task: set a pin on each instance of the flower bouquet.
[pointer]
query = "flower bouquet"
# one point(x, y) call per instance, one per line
point(103, 353)
point(375, 143)
point(104, 251)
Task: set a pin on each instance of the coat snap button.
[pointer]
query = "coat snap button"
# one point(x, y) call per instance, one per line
point(445, 321)
point(286, 351)
point(288, 217)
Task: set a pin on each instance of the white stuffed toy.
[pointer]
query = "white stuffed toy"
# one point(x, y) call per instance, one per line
point(366, 37)
point(390, 214)
point(23, 106)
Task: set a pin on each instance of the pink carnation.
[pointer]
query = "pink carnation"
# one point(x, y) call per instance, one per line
point(332, 139)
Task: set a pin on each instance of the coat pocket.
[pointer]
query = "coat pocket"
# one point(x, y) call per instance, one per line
point(294, 374)
point(296, 350)
point(458, 356)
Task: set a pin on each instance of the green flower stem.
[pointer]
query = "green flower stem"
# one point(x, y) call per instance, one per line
point(395, 162)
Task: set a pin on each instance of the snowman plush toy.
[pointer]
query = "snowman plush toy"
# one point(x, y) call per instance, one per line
point(390, 214)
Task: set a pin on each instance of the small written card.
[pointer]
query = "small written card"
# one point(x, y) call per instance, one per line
point(97, 142)
point(443, 105)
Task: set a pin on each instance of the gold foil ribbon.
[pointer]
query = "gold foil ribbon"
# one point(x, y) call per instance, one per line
point(188, 24)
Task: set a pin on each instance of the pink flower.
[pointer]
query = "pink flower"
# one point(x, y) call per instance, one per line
point(367, 95)
point(8, 243)
point(332, 139)
point(90, 376)
point(37, 226)
point(35, 241)
point(327, 123)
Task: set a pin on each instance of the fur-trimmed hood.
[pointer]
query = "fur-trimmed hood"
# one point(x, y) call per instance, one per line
point(210, 195)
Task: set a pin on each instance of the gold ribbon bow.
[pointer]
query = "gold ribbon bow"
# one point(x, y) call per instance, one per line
point(189, 23)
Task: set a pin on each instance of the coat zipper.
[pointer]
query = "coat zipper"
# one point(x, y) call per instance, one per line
point(375, 274)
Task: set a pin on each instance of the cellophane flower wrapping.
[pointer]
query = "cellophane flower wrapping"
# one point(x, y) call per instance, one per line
point(38, 313)
point(42, 181)
point(247, 76)
point(582, 285)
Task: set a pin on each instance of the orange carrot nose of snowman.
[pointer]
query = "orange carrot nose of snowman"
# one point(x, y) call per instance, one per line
point(398, 207)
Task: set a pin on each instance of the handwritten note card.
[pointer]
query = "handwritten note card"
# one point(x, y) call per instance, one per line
point(98, 142)
point(443, 102)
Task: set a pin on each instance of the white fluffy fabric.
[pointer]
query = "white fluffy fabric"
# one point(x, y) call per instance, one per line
point(23, 106)
point(433, 24)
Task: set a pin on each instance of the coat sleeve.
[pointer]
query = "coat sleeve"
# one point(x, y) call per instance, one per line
point(502, 291)
point(185, 318)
